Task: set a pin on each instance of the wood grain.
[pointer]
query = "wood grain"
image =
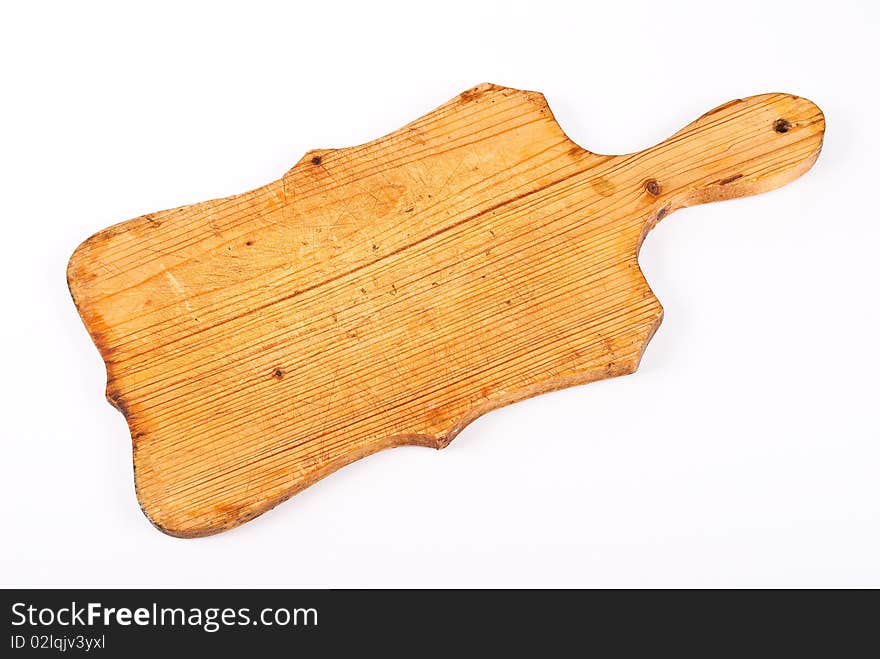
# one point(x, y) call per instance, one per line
point(391, 293)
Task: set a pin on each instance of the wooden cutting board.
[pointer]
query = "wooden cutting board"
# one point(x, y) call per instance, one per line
point(391, 293)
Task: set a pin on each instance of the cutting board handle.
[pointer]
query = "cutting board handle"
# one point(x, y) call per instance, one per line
point(738, 149)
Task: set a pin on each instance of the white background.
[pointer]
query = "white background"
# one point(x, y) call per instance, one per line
point(746, 450)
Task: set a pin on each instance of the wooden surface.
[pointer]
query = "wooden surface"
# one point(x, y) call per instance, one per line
point(390, 293)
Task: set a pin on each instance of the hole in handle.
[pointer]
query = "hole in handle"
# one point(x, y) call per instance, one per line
point(782, 125)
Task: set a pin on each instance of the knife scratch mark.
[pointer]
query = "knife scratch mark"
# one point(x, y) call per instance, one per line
point(178, 288)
